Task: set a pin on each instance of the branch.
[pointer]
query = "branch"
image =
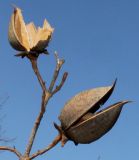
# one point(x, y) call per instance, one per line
point(36, 71)
point(59, 63)
point(61, 137)
point(47, 94)
point(61, 84)
point(50, 146)
point(13, 150)
point(45, 99)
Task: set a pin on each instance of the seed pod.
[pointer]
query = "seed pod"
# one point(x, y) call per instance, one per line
point(79, 121)
point(95, 125)
point(27, 37)
point(12, 35)
point(79, 105)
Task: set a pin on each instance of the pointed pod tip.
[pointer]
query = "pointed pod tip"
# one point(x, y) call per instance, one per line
point(114, 82)
point(126, 101)
point(15, 7)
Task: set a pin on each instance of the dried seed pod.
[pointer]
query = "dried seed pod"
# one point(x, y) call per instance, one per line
point(79, 121)
point(79, 105)
point(96, 125)
point(12, 35)
point(28, 37)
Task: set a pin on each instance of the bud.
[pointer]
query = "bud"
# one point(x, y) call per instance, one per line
point(27, 37)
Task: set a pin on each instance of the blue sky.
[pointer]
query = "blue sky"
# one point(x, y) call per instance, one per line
point(100, 42)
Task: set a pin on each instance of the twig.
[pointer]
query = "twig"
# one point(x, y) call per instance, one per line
point(47, 94)
point(45, 99)
point(36, 71)
point(37, 123)
point(50, 146)
point(61, 137)
point(61, 84)
point(59, 63)
point(13, 150)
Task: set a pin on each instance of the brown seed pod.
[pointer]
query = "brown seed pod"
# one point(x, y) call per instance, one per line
point(96, 125)
point(79, 105)
point(79, 121)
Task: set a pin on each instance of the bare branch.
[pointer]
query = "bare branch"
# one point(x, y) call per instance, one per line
point(45, 98)
point(36, 71)
point(13, 150)
point(61, 84)
point(47, 94)
point(50, 146)
point(59, 63)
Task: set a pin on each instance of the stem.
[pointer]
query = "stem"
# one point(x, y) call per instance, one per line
point(37, 124)
point(13, 150)
point(61, 83)
point(50, 146)
point(36, 71)
point(45, 99)
point(59, 63)
point(46, 95)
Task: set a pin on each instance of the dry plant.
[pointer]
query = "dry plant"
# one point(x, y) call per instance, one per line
point(79, 120)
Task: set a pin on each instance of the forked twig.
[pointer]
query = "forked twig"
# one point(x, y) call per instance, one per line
point(59, 63)
point(45, 99)
point(61, 84)
point(46, 95)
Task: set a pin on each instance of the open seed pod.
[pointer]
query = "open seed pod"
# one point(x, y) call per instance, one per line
point(94, 126)
point(79, 121)
point(27, 37)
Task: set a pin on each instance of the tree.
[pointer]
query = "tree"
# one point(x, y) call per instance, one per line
point(79, 120)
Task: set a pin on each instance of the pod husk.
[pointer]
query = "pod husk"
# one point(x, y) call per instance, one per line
point(96, 126)
point(79, 105)
point(12, 36)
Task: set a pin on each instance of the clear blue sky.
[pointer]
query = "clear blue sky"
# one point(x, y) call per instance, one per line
point(99, 41)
